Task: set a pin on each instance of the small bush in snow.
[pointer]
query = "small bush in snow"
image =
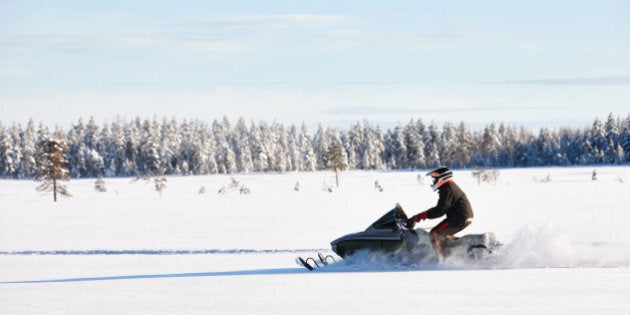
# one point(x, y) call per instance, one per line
point(160, 184)
point(378, 186)
point(483, 175)
point(326, 187)
point(222, 190)
point(244, 190)
point(545, 179)
point(234, 184)
point(99, 185)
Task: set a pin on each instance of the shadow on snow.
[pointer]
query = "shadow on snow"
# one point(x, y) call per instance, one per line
point(278, 271)
point(251, 272)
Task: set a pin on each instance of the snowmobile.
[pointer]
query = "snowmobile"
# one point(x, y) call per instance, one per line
point(389, 236)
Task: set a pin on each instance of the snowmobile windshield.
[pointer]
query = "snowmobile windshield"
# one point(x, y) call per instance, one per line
point(388, 220)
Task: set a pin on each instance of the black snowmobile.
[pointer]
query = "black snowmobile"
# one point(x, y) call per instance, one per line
point(389, 237)
point(389, 234)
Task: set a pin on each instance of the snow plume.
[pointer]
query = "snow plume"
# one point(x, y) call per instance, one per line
point(533, 247)
point(543, 247)
point(423, 258)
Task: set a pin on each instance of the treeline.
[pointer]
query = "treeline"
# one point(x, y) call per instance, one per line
point(171, 147)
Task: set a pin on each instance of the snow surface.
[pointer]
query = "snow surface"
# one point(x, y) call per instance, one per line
point(130, 251)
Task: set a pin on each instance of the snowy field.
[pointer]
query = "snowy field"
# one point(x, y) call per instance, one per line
point(130, 251)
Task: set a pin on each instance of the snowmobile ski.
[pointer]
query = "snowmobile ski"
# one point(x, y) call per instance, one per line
point(311, 263)
point(324, 259)
point(305, 263)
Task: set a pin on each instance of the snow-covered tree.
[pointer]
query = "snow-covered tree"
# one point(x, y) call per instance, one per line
point(432, 146)
point(354, 143)
point(193, 147)
point(490, 145)
point(398, 149)
point(29, 148)
point(259, 150)
point(415, 145)
point(281, 149)
point(7, 167)
point(309, 158)
point(373, 147)
point(242, 147)
point(598, 141)
point(449, 145)
point(465, 146)
point(320, 147)
point(613, 134)
point(624, 140)
point(225, 157)
point(293, 143)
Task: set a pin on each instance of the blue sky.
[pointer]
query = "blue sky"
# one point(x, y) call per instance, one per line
point(533, 63)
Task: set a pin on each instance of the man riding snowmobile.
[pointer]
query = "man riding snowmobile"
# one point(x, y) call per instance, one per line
point(452, 202)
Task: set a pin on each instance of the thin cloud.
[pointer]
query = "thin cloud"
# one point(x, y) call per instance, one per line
point(208, 33)
point(609, 80)
point(366, 110)
point(255, 21)
point(375, 110)
point(74, 42)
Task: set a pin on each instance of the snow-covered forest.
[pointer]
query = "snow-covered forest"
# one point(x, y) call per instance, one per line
point(131, 147)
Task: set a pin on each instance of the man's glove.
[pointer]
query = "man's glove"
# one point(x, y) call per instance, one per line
point(420, 216)
point(411, 222)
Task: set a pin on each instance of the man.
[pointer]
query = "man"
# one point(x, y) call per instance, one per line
point(452, 203)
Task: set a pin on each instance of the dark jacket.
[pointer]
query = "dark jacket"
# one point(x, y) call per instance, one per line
point(454, 203)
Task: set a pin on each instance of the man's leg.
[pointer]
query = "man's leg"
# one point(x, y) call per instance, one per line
point(444, 229)
point(437, 233)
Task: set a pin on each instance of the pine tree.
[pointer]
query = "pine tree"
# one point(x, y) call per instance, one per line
point(281, 152)
point(336, 160)
point(7, 168)
point(171, 142)
point(297, 163)
point(415, 146)
point(258, 149)
point(465, 145)
point(433, 146)
point(29, 143)
point(548, 147)
point(399, 150)
point(51, 166)
point(16, 154)
point(373, 147)
point(152, 166)
point(599, 143)
point(353, 146)
point(449, 146)
point(624, 140)
point(309, 158)
point(242, 147)
point(320, 147)
point(490, 145)
point(612, 137)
